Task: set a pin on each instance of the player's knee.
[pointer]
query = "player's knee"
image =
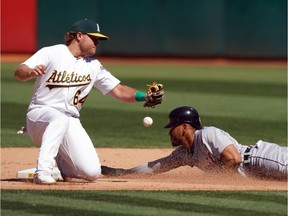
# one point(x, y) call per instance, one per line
point(92, 173)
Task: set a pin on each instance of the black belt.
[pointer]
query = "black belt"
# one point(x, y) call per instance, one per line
point(247, 155)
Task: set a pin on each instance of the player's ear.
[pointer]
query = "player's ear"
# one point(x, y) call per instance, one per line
point(188, 127)
point(184, 128)
point(79, 35)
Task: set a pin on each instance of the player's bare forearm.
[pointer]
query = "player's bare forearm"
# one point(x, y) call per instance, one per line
point(23, 72)
point(124, 93)
point(230, 159)
point(230, 165)
point(152, 97)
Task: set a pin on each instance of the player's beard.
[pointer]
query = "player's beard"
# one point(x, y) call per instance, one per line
point(92, 52)
point(186, 139)
point(88, 50)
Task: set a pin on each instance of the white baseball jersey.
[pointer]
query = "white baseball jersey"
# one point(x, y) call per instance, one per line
point(264, 159)
point(68, 80)
point(52, 119)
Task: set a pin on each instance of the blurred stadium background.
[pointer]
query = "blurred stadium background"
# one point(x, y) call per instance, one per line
point(232, 29)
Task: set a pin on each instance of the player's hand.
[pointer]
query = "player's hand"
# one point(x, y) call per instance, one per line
point(37, 71)
point(109, 171)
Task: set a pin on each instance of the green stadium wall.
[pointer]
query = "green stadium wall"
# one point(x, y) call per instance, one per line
point(181, 28)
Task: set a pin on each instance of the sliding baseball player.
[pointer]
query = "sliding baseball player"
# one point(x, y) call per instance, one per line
point(211, 150)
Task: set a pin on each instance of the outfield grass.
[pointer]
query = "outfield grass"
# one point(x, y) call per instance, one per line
point(128, 203)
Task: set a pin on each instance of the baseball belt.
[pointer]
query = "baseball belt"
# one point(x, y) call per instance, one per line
point(247, 154)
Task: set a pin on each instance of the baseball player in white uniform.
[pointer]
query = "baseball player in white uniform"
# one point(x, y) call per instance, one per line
point(65, 74)
point(212, 150)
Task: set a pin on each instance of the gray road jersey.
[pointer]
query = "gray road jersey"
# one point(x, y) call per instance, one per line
point(263, 159)
point(208, 145)
point(205, 153)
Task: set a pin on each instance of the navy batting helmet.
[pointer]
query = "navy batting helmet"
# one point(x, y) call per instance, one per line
point(184, 114)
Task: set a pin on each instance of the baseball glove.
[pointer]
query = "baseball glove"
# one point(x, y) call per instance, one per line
point(155, 94)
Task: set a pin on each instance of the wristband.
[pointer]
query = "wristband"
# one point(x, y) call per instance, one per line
point(140, 96)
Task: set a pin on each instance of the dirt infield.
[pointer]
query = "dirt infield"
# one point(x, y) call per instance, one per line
point(184, 178)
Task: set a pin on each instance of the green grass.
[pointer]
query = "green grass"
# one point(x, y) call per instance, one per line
point(249, 102)
point(128, 203)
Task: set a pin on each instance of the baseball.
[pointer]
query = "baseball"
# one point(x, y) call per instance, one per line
point(147, 121)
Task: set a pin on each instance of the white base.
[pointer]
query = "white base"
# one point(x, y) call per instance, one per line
point(29, 174)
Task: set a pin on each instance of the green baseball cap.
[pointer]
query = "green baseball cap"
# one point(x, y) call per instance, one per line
point(89, 27)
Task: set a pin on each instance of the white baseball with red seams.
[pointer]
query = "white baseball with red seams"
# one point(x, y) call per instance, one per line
point(147, 121)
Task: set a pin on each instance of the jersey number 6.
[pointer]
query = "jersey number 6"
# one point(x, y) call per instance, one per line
point(77, 100)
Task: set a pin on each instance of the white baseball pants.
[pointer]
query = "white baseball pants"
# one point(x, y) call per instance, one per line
point(62, 138)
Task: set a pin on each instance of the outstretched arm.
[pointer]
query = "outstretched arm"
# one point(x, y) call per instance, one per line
point(158, 166)
point(152, 97)
point(124, 93)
